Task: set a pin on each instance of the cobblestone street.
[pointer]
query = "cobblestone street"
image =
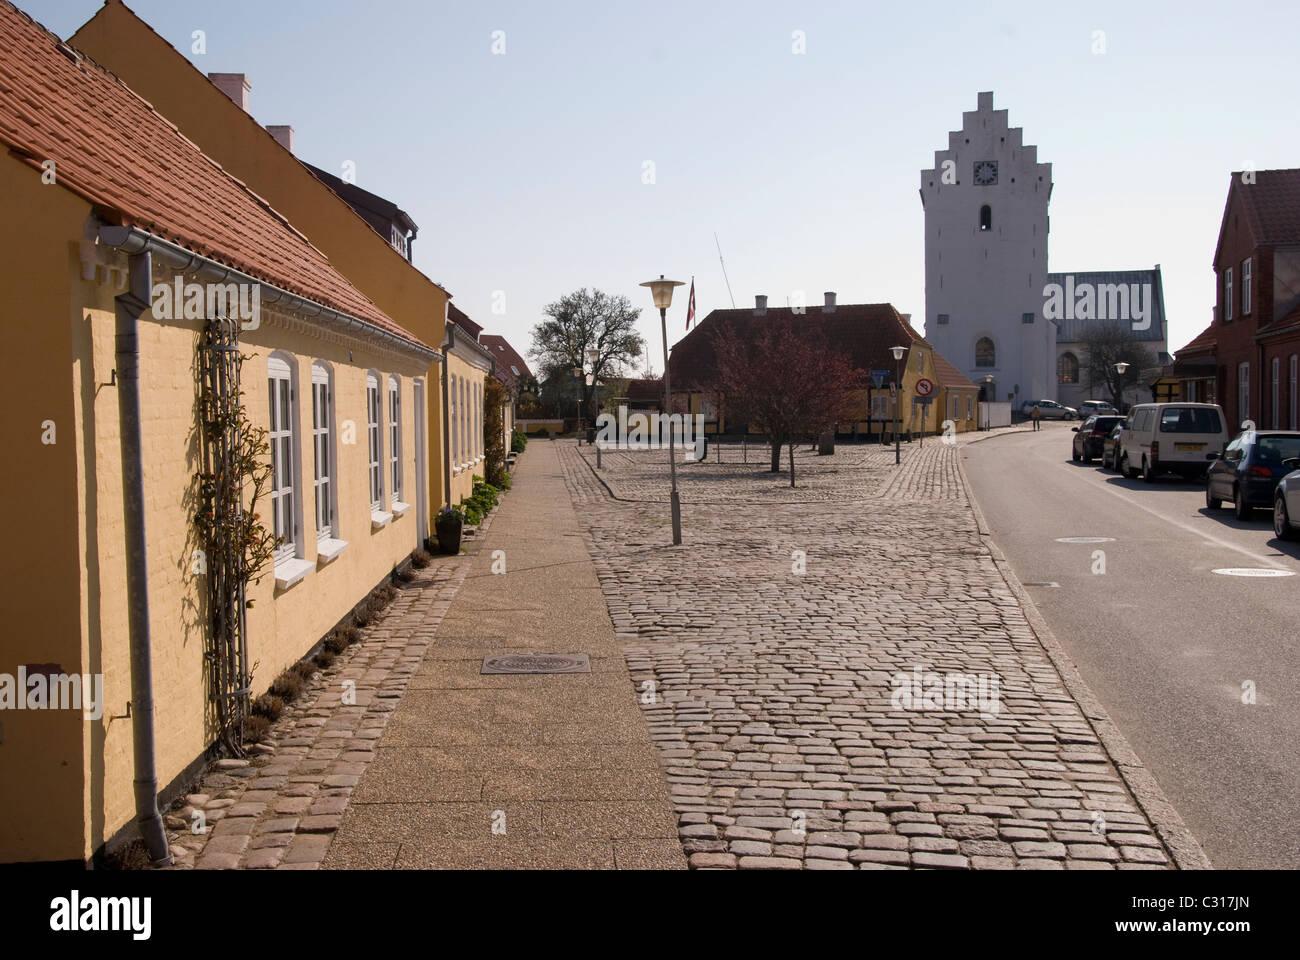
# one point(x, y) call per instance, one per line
point(773, 687)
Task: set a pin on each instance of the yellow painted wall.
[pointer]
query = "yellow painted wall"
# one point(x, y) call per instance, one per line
point(150, 66)
point(66, 779)
point(468, 454)
point(42, 607)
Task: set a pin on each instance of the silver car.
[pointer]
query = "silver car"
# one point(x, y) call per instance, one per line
point(1049, 410)
point(1286, 503)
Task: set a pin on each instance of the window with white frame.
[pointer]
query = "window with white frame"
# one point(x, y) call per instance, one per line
point(279, 377)
point(1291, 394)
point(1243, 391)
point(454, 418)
point(322, 437)
point(1276, 421)
point(464, 422)
point(1227, 294)
point(1245, 286)
point(970, 407)
point(395, 435)
point(478, 431)
point(375, 439)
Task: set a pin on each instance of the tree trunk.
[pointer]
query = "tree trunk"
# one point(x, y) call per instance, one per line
point(776, 455)
point(792, 464)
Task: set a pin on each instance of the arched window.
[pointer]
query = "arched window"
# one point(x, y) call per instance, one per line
point(986, 217)
point(1067, 368)
point(985, 354)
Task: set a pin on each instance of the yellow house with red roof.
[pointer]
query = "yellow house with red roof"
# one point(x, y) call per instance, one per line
point(109, 427)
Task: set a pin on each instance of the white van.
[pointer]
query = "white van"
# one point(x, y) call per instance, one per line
point(1171, 438)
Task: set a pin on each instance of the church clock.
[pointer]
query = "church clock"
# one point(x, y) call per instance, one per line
point(986, 172)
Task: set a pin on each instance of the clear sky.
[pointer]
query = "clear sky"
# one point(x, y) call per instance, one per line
point(525, 169)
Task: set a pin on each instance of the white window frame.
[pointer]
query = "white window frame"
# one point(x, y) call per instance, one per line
point(1276, 421)
point(1246, 286)
point(375, 442)
point(1243, 392)
point(325, 458)
point(395, 436)
point(281, 437)
point(1227, 294)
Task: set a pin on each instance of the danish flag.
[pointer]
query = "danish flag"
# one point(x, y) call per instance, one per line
point(690, 307)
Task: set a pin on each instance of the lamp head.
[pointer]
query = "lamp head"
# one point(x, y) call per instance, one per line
point(1121, 367)
point(662, 291)
point(898, 352)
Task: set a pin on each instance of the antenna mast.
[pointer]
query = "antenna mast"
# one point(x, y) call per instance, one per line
point(724, 271)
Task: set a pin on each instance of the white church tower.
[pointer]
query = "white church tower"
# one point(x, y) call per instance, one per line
point(986, 257)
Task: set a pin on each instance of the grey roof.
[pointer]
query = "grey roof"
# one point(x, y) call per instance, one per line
point(1070, 329)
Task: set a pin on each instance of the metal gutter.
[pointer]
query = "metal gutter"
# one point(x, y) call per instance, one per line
point(133, 240)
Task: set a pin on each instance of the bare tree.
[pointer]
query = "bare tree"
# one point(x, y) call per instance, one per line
point(786, 380)
point(591, 330)
point(1107, 344)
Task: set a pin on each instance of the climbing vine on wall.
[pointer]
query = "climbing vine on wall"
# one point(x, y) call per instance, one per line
point(235, 476)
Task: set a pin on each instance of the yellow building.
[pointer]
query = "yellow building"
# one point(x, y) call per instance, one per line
point(468, 364)
point(105, 567)
point(226, 132)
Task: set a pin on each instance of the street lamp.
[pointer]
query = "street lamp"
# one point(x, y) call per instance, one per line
point(662, 292)
point(988, 409)
point(898, 401)
point(1119, 369)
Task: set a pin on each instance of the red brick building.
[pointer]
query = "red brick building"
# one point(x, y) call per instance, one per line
point(1256, 330)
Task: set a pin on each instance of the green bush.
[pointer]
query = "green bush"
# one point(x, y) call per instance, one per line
point(518, 440)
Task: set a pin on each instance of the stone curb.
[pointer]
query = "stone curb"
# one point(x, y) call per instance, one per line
point(1182, 846)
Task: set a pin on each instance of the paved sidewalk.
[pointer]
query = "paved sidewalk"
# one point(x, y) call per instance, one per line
point(517, 771)
point(775, 637)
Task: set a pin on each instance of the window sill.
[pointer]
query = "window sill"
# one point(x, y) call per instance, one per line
point(379, 519)
point(288, 572)
point(400, 508)
point(329, 548)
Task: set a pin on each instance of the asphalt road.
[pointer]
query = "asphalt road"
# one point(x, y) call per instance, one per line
point(1165, 643)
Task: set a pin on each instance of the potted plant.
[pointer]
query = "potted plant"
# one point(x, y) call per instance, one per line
point(449, 523)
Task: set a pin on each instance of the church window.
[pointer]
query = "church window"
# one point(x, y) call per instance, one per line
point(985, 354)
point(1067, 368)
point(986, 217)
point(943, 319)
point(1026, 318)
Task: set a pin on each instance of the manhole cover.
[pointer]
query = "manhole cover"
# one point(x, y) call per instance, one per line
point(1085, 539)
point(538, 663)
point(1252, 572)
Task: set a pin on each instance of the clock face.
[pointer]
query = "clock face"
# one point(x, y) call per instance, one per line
point(986, 172)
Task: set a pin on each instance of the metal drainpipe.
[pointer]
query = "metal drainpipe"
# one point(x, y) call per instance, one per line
point(128, 307)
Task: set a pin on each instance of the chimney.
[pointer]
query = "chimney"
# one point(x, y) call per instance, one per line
point(829, 306)
point(760, 305)
point(283, 135)
point(233, 85)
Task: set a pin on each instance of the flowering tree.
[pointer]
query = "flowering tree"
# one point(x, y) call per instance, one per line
point(786, 379)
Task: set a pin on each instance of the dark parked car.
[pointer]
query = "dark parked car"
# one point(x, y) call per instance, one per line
point(1250, 469)
point(1090, 437)
point(1110, 447)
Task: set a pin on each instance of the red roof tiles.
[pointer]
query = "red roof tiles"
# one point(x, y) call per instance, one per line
point(1271, 205)
point(507, 358)
point(113, 149)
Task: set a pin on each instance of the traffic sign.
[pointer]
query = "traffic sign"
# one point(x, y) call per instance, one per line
point(924, 387)
point(878, 377)
point(923, 401)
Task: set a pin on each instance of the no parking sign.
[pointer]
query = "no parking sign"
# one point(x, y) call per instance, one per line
point(924, 387)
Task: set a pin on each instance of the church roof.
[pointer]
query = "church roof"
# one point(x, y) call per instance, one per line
point(1071, 329)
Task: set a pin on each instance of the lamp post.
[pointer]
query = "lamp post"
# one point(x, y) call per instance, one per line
point(988, 410)
point(1119, 369)
point(662, 292)
point(898, 401)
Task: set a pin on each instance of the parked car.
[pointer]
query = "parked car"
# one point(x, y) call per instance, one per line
point(1250, 469)
point(1286, 503)
point(1049, 410)
point(1110, 447)
point(1096, 407)
point(1178, 438)
point(1090, 437)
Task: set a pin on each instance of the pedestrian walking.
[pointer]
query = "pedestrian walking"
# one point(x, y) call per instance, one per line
point(1036, 414)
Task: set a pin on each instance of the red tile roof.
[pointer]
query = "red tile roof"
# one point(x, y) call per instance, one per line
point(506, 357)
point(462, 320)
point(1203, 342)
point(113, 149)
point(866, 330)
